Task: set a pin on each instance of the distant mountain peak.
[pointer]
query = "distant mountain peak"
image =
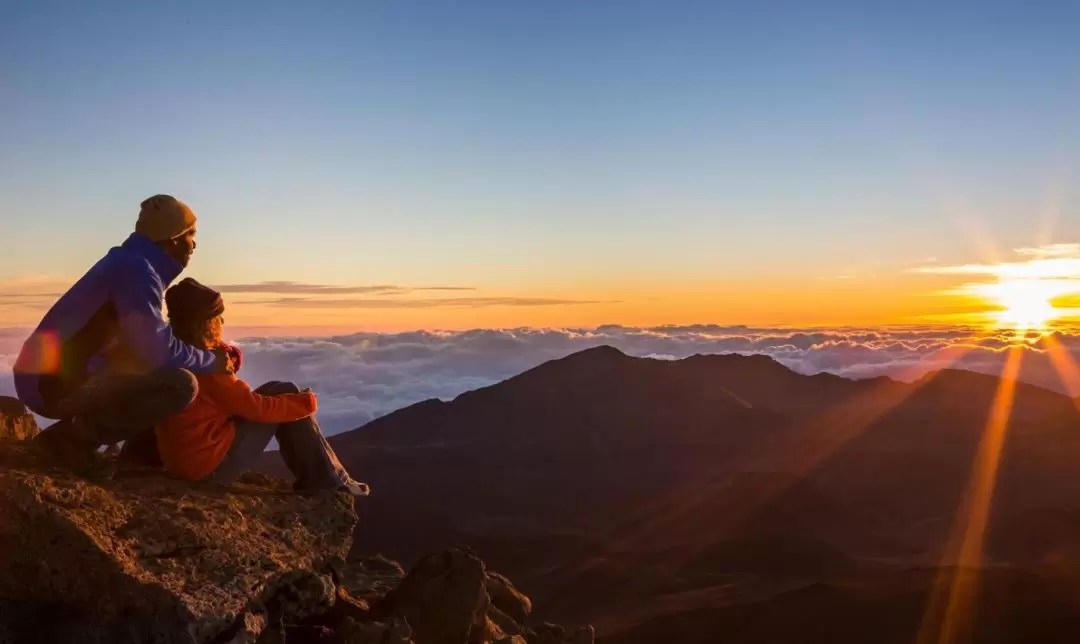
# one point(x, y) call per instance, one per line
point(601, 352)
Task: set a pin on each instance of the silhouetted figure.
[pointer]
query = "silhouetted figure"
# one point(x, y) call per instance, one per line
point(103, 361)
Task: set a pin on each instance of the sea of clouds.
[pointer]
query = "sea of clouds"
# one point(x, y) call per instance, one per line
point(362, 376)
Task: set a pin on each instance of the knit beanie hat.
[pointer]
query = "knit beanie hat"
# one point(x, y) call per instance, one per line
point(163, 217)
point(190, 301)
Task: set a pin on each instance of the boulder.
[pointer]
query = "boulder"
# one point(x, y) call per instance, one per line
point(16, 421)
point(152, 559)
point(371, 577)
point(394, 632)
point(505, 623)
point(553, 634)
point(444, 598)
point(507, 598)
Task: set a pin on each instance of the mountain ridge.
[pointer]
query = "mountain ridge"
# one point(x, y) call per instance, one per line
point(605, 482)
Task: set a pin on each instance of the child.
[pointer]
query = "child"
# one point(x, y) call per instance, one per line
point(227, 427)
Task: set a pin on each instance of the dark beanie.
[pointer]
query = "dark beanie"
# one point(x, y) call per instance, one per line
point(190, 301)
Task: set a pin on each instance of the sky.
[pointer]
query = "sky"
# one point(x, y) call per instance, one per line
point(400, 166)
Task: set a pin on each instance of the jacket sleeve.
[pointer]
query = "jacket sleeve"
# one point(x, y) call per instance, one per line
point(138, 296)
point(236, 397)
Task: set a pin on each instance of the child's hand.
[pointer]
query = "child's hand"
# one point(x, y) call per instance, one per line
point(223, 361)
point(235, 355)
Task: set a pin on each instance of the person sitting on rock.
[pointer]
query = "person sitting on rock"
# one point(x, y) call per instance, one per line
point(225, 430)
point(103, 361)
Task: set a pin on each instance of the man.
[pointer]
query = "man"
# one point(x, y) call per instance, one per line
point(103, 360)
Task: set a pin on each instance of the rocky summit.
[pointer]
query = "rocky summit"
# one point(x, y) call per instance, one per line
point(145, 559)
point(15, 421)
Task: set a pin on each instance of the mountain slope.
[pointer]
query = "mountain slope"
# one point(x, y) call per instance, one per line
point(606, 482)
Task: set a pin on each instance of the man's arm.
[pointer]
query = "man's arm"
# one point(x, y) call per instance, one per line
point(138, 297)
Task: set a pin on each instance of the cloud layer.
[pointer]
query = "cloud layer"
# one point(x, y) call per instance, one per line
point(364, 375)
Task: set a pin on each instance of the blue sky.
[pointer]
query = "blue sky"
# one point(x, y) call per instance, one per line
point(609, 151)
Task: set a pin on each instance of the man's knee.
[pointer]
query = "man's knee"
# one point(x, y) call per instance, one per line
point(181, 387)
point(275, 387)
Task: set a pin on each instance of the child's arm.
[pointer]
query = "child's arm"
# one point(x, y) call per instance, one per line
point(236, 397)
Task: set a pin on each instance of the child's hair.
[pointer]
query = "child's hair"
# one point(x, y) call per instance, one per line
point(202, 334)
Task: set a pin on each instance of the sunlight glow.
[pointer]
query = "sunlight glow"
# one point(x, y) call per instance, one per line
point(1026, 294)
point(949, 614)
point(1067, 370)
point(1027, 303)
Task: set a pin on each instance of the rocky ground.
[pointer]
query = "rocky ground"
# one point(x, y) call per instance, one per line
point(143, 558)
point(15, 421)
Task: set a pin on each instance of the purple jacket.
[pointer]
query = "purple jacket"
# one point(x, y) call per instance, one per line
point(115, 307)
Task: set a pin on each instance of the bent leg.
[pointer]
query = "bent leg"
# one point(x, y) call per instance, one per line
point(309, 456)
point(111, 408)
point(248, 445)
point(304, 449)
point(115, 406)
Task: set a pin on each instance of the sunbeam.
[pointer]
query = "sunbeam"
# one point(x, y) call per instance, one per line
point(1067, 370)
point(947, 619)
point(797, 452)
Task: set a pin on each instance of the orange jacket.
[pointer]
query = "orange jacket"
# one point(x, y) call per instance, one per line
point(194, 442)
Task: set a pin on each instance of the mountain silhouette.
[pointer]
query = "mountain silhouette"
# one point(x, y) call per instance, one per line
point(628, 491)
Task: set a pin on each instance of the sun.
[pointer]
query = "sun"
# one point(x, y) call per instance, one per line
point(1026, 304)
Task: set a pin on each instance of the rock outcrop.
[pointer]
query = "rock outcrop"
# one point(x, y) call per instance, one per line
point(149, 558)
point(451, 598)
point(16, 421)
point(146, 559)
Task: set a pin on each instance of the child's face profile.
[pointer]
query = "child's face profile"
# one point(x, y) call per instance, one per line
point(214, 327)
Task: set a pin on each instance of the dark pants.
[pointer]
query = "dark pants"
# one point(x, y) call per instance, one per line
point(303, 448)
point(113, 407)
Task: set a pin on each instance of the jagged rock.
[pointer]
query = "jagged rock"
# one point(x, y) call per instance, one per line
point(486, 633)
point(15, 421)
point(444, 598)
point(395, 632)
point(249, 629)
point(505, 622)
point(507, 598)
point(554, 634)
point(304, 635)
point(157, 560)
point(370, 577)
point(299, 594)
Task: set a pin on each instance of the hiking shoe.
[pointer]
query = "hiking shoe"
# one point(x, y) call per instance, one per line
point(356, 488)
point(61, 444)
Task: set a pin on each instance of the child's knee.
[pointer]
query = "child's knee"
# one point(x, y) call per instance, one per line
point(277, 387)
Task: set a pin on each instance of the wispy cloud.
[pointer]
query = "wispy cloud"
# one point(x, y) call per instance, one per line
point(26, 295)
point(1051, 250)
point(33, 286)
point(1055, 261)
point(421, 303)
point(285, 287)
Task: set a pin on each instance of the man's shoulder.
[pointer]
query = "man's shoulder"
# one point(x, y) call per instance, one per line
point(125, 255)
point(129, 264)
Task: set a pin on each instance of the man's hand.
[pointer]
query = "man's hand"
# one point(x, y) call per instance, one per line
point(223, 362)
